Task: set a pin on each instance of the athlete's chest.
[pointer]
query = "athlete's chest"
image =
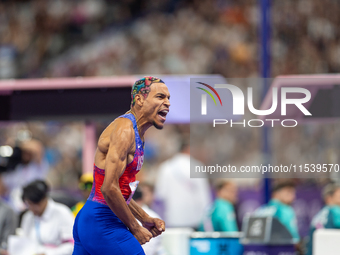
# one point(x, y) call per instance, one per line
point(136, 162)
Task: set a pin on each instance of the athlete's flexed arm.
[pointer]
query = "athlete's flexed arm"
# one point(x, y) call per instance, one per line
point(121, 145)
point(154, 225)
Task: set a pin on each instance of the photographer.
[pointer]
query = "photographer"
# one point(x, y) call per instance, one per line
point(29, 165)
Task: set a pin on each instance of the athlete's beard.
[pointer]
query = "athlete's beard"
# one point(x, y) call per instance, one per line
point(157, 126)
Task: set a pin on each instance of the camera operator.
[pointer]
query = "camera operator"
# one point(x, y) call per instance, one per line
point(28, 165)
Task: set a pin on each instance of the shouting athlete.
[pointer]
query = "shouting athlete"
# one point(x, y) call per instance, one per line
point(107, 223)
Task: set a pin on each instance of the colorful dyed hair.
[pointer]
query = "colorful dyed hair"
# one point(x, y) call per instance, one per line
point(142, 86)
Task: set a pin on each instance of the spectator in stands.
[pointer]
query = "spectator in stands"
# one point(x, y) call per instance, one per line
point(185, 199)
point(47, 223)
point(221, 217)
point(85, 185)
point(283, 195)
point(8, 224)
point(154, 246)
point(41, 34)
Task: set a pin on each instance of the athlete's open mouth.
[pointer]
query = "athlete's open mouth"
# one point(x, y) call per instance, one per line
point(162, 114)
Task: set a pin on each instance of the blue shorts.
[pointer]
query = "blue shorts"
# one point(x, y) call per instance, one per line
point(97, 230)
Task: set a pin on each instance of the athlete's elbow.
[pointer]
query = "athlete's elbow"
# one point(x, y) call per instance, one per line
point(108, 190)
point(105, 189)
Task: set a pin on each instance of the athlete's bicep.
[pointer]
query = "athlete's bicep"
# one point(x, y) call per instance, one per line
point(121, 142)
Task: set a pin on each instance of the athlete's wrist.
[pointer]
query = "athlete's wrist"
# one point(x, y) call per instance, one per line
point(146, 219)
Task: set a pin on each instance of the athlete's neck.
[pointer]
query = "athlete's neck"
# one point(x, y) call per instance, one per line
point(142, 123)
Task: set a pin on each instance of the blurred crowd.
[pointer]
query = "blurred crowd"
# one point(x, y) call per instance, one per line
point(99, 37)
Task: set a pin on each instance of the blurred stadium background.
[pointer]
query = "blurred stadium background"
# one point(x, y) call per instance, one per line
point(101, 38)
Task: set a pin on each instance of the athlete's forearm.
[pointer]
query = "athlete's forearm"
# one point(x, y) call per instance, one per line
point(117, 204)
point(137, 211)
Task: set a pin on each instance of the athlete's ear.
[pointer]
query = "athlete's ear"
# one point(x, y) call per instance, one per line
point(139, 100)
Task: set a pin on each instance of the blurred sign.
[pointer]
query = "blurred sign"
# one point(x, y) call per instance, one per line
point(269, 250)
point(215, 243)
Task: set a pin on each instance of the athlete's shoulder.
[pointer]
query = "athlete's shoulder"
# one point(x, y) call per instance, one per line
point(115, 127)
point(122, 124)
point(122, 130)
